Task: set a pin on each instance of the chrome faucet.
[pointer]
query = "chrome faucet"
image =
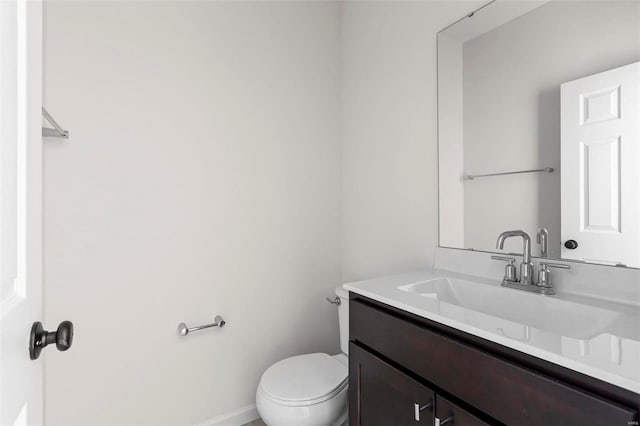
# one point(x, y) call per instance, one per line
point(543, 286)
point(526, 268)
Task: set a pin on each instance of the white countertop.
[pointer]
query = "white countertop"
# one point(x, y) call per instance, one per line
point(595, 337)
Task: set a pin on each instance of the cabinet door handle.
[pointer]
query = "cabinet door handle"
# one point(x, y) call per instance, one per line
point(439, 422)
point(417, 409)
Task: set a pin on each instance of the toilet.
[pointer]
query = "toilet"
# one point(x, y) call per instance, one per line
point(310, 389)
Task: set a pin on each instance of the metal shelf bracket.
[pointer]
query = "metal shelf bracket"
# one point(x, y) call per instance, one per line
point(57, 131)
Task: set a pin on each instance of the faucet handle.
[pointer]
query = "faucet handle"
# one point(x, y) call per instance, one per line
point(545, 265)
point(544, 275)
point(509, 269)
point(505, 258)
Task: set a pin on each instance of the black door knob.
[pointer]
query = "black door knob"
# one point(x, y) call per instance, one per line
point(571, 244)
point(40, 338)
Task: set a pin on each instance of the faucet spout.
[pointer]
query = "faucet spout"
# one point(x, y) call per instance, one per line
point(526, 248)
point(526, 268)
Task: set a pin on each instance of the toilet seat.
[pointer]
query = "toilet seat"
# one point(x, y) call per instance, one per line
point(304, 380)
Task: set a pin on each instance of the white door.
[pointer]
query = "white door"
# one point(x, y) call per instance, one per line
point(20, 208)
point(601, 167)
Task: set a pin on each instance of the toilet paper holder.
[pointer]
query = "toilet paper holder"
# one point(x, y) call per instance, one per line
point(183, 330)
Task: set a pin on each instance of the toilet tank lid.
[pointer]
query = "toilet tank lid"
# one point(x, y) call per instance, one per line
point(341, 292)
point(309, 378)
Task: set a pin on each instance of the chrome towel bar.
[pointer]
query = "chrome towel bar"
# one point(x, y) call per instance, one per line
point(184, 330)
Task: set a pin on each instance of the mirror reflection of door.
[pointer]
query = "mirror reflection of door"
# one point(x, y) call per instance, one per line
point(600, 149)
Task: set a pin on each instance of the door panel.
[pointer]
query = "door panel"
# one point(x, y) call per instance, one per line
point(383, 395)
point(600, 185)
point(601, 167)
point(448, 413)
point(20, 208)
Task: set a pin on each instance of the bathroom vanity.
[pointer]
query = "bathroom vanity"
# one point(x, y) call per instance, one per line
point(452, 362)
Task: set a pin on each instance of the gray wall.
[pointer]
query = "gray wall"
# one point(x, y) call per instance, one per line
point(451, 142)
point(202, 177)
point(389, 163)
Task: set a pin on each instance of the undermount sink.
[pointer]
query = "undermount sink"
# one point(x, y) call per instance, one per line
point(568, 318)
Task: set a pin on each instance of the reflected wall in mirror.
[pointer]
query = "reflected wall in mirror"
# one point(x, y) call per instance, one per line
point(551, 86)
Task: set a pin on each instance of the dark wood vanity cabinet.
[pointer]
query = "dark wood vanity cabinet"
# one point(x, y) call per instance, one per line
point(400, 363)
point(385, 395)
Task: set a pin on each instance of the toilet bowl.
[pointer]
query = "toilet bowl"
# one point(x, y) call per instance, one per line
point(310, 389)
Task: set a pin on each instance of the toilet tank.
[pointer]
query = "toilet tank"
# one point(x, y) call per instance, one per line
point(343, 318)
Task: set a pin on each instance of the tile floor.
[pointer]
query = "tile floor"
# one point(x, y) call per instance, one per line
point(256, 423)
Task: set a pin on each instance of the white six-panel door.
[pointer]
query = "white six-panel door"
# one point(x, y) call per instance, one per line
point(600, 175)
point(20, 208)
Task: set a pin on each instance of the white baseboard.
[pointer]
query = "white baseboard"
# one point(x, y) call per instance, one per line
point(235, 418)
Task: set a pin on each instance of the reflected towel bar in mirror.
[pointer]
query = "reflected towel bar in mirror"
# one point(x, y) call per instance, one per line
point(546, 169)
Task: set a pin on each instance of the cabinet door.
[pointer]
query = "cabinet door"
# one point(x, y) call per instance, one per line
point(447, 413)
point(381, 395)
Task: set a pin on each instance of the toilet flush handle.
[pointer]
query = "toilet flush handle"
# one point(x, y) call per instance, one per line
point(335, 301)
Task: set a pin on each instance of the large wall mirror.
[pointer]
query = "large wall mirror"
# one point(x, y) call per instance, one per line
point(539, 129)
